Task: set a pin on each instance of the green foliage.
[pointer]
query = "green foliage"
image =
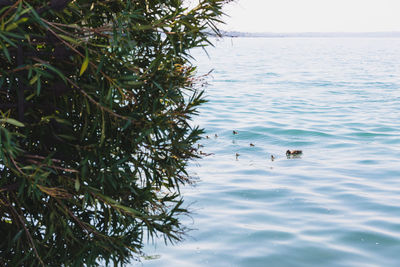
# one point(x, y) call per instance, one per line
point(96, 99)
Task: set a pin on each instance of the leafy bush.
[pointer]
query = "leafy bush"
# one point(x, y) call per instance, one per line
point(96, 99)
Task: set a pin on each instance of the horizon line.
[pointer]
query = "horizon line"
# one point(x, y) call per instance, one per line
point(311, 34)
point(398, 31)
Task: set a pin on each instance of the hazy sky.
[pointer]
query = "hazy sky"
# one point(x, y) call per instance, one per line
point(313, 15)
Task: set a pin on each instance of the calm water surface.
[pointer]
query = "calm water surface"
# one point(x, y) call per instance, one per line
point(338, 100)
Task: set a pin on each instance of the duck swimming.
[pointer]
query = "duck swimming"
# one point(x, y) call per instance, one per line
point(206, 154)
point(293, 153)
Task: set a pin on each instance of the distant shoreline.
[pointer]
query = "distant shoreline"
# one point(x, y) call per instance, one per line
point(234, 34)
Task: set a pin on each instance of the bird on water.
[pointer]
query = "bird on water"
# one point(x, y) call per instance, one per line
point(293, 153)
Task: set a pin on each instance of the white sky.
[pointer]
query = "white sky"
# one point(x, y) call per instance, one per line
point(313, 15)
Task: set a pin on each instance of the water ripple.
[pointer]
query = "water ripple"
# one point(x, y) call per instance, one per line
point(338, 204)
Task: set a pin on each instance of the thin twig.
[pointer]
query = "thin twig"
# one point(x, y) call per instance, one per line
point(40, 157)
point(21, 68)
point(61, 30)
point(97, 103)
point(79, 53)
point(9, 10)
point(82, 225)
point(9, 187)
point(111, 81)
point(16, 166)
point(98, 30)
point(27, 232)
point(53, 167)
point(88, 96)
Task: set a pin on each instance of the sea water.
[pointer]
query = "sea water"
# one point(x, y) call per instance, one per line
point(338, 204)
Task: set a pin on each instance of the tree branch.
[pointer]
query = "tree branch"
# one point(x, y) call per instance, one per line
point(22, 220)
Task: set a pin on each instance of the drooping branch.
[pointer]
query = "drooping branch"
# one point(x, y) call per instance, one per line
point(23, 224)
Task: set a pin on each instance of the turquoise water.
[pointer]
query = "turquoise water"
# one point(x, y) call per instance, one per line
point(338, 100)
